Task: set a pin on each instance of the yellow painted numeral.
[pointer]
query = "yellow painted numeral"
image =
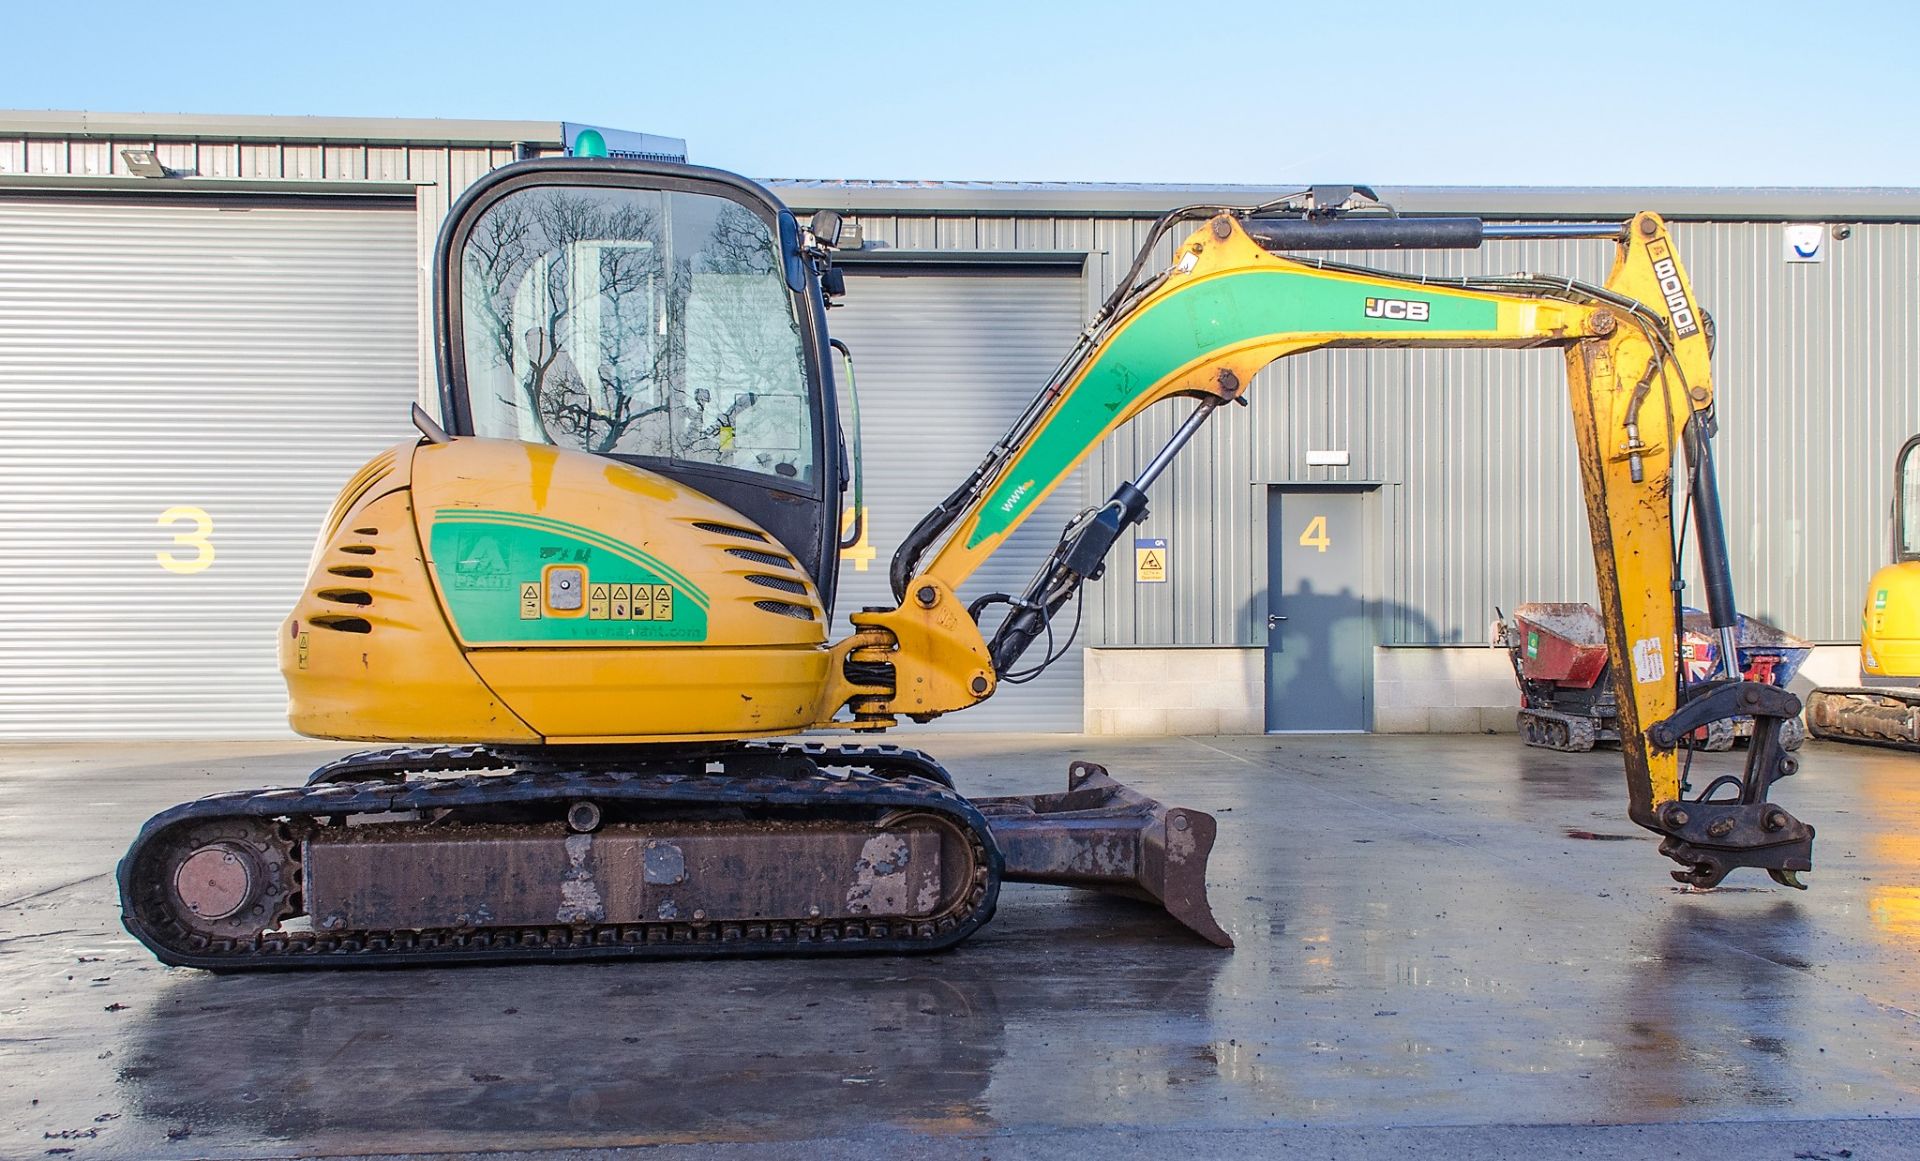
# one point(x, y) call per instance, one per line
point(200, 539)
point(1316, 534)
point(861, 554)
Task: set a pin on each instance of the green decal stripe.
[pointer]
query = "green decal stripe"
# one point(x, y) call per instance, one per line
point(1189, 325)
point(545, 524)
point(618, 547)
point(486, 565)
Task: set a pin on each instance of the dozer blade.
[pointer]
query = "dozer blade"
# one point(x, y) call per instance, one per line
point(1101, 835)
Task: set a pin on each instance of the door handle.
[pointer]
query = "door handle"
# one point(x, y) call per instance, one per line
point(1273, 620)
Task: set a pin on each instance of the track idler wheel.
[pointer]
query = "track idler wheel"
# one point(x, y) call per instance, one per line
point(231, 879)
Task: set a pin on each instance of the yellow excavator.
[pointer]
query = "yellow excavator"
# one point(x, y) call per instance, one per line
point(588, 607)
point(1885, 715)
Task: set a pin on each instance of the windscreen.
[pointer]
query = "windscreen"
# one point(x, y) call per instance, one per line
point(643, 323)
point(1907, 481)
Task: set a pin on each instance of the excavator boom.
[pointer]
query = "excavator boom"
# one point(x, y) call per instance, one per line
point(1640, 387)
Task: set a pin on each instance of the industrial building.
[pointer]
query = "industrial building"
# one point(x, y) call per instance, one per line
point(208, 323)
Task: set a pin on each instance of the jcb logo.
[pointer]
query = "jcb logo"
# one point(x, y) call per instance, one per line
point(1685, 326)
point(1403, 309)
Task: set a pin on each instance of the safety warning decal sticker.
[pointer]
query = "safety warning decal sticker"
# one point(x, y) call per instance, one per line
point(1150, 560)
point(1649, 660)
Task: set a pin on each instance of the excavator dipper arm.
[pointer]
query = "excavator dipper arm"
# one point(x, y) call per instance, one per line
point(1641, 393)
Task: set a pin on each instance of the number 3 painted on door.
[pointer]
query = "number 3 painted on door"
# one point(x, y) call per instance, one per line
point(1316, 534)
point(199, 539)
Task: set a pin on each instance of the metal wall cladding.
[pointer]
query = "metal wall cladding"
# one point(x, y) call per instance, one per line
point(439, 171)
point(1817, 379)
point(238, 361)
point(343, 161)
point(944, 363)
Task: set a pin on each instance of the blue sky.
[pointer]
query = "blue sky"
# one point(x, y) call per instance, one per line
point(1685, 93)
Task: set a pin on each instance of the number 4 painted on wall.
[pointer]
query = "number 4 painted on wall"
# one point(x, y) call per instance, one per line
point(861, 554)
point(1316, 534)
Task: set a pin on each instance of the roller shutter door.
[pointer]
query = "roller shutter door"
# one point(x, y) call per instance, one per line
point(166, 365)
point(945, 362)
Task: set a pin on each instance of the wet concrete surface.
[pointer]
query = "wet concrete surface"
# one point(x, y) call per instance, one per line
point(1440, 952)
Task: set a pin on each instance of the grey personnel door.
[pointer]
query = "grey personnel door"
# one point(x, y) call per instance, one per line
point(1320, 632)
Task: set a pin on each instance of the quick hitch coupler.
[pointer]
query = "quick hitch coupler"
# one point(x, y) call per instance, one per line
point(1710, 836)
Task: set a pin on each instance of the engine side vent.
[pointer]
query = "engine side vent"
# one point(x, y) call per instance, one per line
point(346, 596)
point(341, 624)
point(379, 468)
point(729, 530)
point(785, 609)
point(356, 571)
point(359, 549)
point(777, 582)
point(757, 557)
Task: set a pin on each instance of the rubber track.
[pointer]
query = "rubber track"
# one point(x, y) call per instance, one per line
point(146, 913)
point(1894, 692)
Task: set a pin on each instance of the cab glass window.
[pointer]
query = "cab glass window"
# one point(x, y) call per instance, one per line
point(637, 323)
point(1907, 481)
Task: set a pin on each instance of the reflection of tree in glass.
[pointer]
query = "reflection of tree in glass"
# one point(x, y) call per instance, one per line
point(619, 247)
point(589, 329)
point(580, 270)
point(497, 252)
point(743, 348)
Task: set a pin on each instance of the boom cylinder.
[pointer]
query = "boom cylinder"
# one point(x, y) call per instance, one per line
point(1712, 533)
point(1339, 233)
point(1365, 233)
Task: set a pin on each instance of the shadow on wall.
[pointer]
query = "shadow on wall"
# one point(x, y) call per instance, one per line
point(1321, 673)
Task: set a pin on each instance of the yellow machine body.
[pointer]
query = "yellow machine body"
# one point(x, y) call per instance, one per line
point(1890, 622)
point(494, 591)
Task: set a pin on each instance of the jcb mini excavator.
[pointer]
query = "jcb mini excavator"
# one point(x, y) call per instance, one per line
point(594, 595)
point(1885, 715)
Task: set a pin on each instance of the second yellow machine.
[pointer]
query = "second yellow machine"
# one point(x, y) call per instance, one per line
point(588, 602)
point(1886, 714)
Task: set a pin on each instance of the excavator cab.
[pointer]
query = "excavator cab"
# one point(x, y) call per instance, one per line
point(663, 316)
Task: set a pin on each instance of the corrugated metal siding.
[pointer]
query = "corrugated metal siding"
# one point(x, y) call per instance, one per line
point(1818, 373)
point(442, 171)
point(944, 363)
point(243, 361)
point(263, 160)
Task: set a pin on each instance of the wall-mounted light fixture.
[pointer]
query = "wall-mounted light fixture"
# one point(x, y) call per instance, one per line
point(144, 163)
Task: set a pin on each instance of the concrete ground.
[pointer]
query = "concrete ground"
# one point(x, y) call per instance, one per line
point(1448, 947)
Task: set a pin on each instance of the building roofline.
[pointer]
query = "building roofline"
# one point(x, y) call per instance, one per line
point(1781, 203)
point(230, 127)
point(1014, 198)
